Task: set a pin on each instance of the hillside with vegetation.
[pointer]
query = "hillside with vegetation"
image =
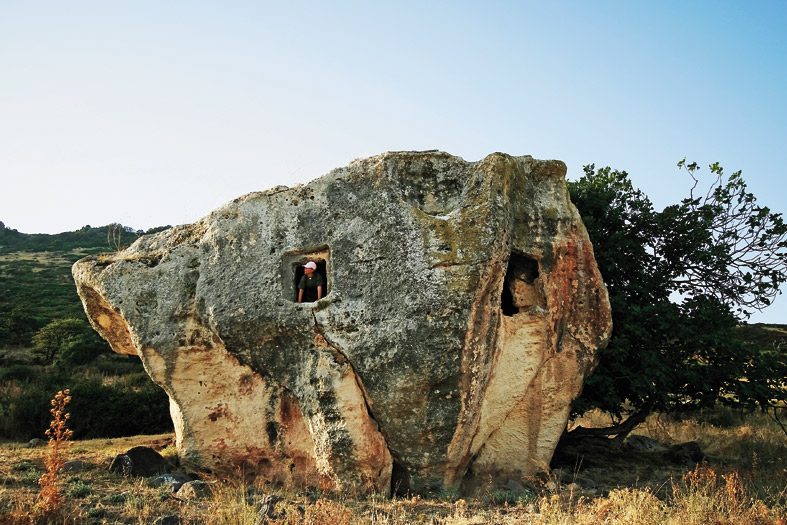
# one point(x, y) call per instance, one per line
point(47, 344)
point(36, 286)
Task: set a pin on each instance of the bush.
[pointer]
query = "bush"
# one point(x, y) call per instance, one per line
point(504, 497)
point(28, 410)
point(81, 351)
point(719, 416)
point(99, 410)
point(79, 489)
point(135, 381)
point(450, 494)
point(124, 408)
point(117, 365)
point(21, 373)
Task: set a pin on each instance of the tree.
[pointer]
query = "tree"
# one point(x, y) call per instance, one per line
point(747, 241)
point(68, 342)
point(679, 282)
point(17, 324)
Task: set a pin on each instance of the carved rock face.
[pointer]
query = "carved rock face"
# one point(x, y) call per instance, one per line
point(463, 312)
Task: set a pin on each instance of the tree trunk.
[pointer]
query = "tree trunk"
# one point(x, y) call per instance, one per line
point(620, 431)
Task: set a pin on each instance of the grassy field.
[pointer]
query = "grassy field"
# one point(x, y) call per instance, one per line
point(744, 480)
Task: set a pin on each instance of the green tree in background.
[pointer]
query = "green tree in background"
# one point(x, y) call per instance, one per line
point(744, 245)
point(17, 324)
point(68, 342)
point(680, 281)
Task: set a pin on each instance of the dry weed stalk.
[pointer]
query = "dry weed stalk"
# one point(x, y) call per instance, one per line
point(50, 498)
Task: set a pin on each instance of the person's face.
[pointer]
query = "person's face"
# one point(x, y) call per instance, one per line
point(308, 271)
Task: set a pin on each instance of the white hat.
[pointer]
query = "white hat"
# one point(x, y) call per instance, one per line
point(311, 264)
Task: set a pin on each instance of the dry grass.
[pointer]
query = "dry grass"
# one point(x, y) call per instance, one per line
point(744, 482)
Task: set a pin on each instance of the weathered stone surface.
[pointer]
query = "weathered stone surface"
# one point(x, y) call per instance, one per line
point(75, 465)
point(643, 444)
point(173, 480)
point(194, 490)
point(688, 453)
point(463, 312)
point(36, 442)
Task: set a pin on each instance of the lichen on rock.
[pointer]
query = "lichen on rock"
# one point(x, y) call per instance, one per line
point(463, 312)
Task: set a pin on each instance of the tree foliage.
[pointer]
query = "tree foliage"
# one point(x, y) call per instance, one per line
point(679, 282)
point(68, 342)
point(748, 243)
point(17, 323)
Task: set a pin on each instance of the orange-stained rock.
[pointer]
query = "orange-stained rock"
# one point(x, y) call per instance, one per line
point(463, 312)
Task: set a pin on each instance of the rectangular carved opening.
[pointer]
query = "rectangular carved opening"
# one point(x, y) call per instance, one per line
point(521, 288)
point(292, 269)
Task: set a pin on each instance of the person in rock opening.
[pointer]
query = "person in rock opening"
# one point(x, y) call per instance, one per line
point(311, 284)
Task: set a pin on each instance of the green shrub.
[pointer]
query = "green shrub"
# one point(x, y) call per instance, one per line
point(719, 416)
point(99, 410)
point(21, 373)
point(504, 497)
point(23, 465)
point(115, 498)
point(28, 411)
point(68, 342)
point(121, 409)
point(79, 489)
point(525, 498)
point(31, 477)
point(117, 365)
point(81, 351)
point(135, 381)
point(449, 494)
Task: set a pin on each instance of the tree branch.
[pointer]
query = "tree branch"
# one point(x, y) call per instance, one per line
point(620, 431)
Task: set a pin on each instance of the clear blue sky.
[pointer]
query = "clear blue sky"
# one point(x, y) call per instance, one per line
point(151, 113)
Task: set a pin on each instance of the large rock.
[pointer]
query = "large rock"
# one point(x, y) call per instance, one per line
point(139, 461)
point(463, 312)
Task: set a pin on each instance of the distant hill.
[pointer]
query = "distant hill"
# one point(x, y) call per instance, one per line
point(764, 335)
point(94, 240)
point(36, 286)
